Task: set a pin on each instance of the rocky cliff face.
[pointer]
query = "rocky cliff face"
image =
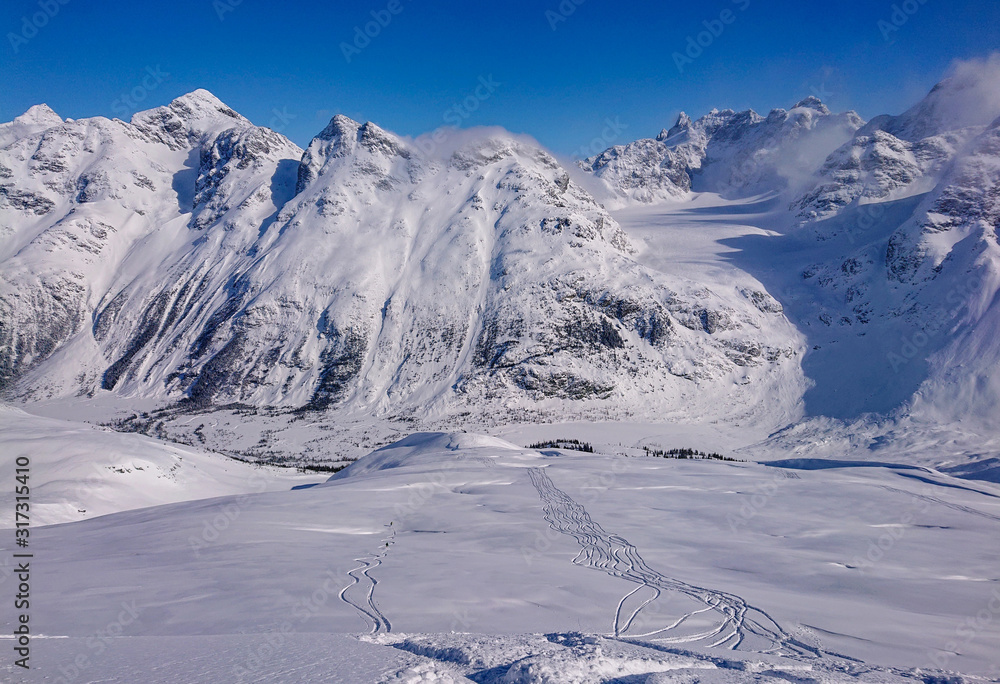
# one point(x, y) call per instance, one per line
point(904, 217)
point(76, 200)
point(919, 187)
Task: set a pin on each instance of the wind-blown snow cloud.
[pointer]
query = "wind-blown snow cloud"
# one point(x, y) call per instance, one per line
point(443, 142)
point(971, 93)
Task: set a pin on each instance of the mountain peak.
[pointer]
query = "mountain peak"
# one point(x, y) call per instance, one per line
point(377, 139)
point(199, 95)
point(813, 102)
point(200, 103)
point(372, 130)
point(343, 132)
point(683, 123)
point(339, 126)
point(967, 98)
point(37, 119)
point(39, 114)
point(188, 119)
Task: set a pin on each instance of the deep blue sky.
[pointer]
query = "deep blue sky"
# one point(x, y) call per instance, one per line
point(607, 60)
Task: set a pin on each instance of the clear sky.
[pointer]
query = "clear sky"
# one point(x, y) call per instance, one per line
point(560, 71)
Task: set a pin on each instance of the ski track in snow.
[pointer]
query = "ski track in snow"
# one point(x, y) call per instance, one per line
point(481, 460)
point(741, 623)
point(942, 502)
point(364, 583)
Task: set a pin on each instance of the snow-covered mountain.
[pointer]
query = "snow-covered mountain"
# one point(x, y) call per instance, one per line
point(78, 200)
point(732, 153)
point(801, 285)
point(191, 256)
point(35, 120)
point(883, 252)
point(893, 157)
point(908, 212)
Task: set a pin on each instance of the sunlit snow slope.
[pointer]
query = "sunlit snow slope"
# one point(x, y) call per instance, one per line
point(834, 571)
point(78, 471)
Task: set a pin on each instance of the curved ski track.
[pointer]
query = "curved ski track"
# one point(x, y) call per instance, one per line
point(365, 584)
point(740, 622)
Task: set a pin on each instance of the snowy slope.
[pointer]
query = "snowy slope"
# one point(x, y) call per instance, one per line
point(78, 471)
point(947, 252)
point(903, 231)
point(894, 157)
point(35, 120)
point(629, 565)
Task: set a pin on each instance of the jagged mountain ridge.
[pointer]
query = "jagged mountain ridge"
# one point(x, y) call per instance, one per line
point(360, 273)
point(736, 154)
point(80, 196)
point(893, 157)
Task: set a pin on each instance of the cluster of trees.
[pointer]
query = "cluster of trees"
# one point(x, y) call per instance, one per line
point(573, 444)
point(687, 453)
point(322, 468)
